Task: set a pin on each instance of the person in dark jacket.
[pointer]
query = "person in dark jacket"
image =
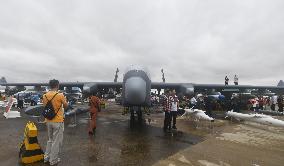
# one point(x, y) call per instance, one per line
point(208, 101)
point(166, 109)
point(280, 103)
point(226, 80)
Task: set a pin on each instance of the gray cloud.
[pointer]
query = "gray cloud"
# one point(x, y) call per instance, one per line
point(194, 41)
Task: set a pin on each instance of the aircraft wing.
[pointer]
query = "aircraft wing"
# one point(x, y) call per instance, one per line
point(42, 84)
point(238, 88)
point(86, 86)
point(190, 88)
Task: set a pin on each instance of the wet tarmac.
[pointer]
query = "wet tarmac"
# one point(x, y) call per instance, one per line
point(118, 143)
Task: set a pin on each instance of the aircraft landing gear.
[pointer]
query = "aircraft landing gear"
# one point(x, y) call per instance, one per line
point(138, 111)
point(132, 117)
point(139, 115)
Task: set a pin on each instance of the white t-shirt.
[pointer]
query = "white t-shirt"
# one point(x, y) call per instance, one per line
point(173, 100)
point(193, 100)
point(236, 79)
point(274, 99)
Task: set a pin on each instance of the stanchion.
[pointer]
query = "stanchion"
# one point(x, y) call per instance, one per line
point(11, 114)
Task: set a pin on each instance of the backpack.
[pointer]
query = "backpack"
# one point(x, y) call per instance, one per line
point(49, 112)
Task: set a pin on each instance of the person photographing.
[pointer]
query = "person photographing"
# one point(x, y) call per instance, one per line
point(54, 102)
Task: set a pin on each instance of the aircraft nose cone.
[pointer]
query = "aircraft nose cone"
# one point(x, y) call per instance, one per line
point(135, 91)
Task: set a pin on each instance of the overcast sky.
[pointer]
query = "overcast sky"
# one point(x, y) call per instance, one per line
point(197, 41)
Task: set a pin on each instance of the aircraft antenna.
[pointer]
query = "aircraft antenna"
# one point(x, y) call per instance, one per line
point(163, 75)
point(116, 76)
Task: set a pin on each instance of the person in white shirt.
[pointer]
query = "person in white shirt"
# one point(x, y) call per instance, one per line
point(193, 102)
point(236, 80)
point(273, 102)
point(173, 105)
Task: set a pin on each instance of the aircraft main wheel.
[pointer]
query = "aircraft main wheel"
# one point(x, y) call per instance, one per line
point(139, 114)
point(132, 117)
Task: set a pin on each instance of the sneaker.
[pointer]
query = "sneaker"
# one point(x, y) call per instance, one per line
point(55, 162)
point(46, 160)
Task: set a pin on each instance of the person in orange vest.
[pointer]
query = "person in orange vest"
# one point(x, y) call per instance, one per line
point(95, 107)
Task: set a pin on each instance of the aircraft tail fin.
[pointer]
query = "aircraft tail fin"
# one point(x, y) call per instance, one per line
point(281, 83)
point(3, 80)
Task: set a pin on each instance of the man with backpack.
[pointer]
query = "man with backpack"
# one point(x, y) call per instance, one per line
point(53, 113)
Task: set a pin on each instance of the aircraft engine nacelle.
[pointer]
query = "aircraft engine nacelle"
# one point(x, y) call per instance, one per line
point(187, 89)
point(90, 88)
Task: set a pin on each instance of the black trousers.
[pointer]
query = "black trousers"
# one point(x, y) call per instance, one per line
point(167, 120)
point(272, 107)
point(21, 104)
point(209, 110)
point(33, 103)
point(173, 118)
point(280, 106)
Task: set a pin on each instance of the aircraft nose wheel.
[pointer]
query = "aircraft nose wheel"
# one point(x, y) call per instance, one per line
point(139, 115)
point(132, 117)
point(138, 111)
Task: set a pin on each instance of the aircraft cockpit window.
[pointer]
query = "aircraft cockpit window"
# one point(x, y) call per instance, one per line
point(137, 68)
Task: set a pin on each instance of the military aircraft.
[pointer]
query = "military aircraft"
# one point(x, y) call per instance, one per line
point(136, 88)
